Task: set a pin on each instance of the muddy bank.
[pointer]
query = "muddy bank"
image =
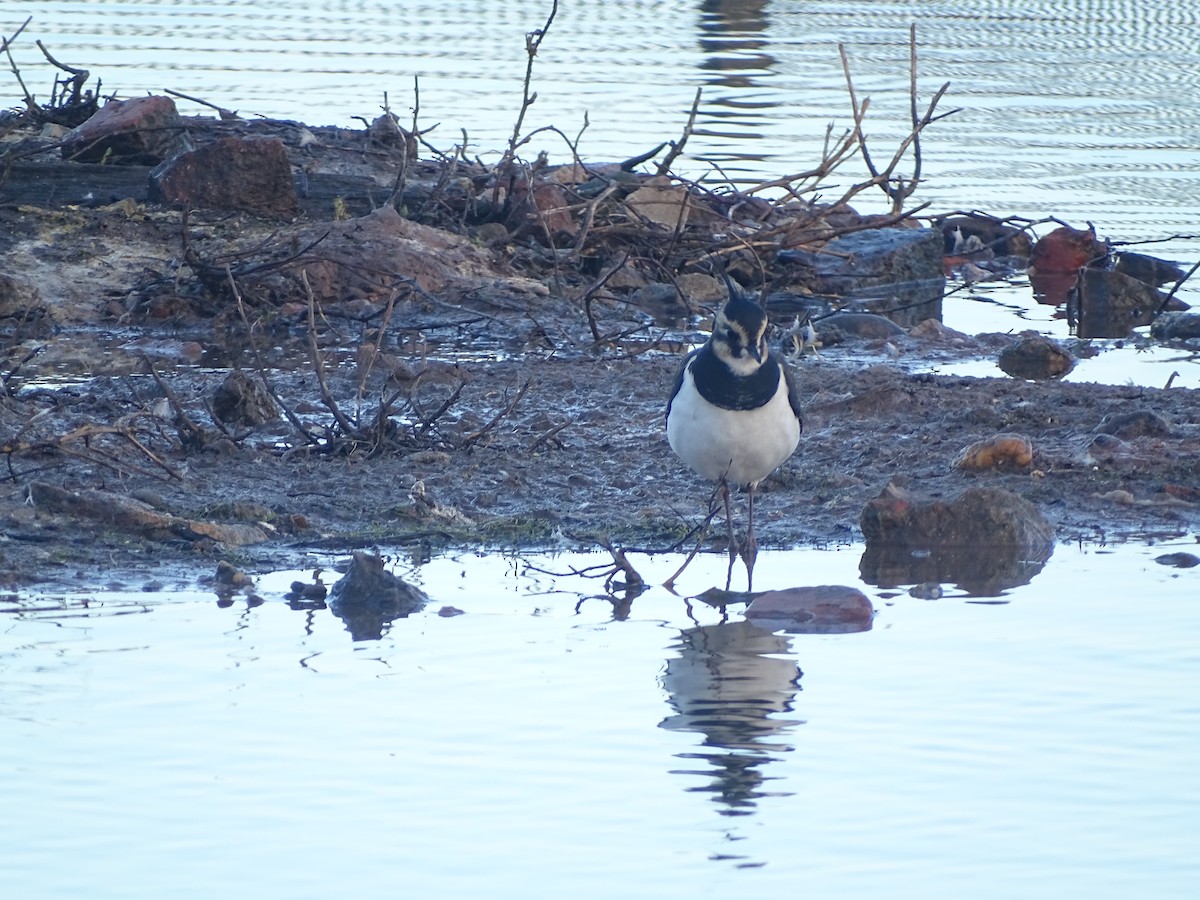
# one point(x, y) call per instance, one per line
point(437, 353)
point(585, 454)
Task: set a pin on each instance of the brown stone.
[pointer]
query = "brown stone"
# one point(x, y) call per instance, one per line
point(249, 174)
point(142, 131)
point(820, 609)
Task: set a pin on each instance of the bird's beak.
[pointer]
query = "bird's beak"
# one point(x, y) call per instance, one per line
point(756, 352)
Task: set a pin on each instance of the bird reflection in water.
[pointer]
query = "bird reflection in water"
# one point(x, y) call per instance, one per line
point(730, 683)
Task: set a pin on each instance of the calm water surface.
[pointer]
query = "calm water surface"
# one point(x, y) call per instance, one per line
point(1037, 744)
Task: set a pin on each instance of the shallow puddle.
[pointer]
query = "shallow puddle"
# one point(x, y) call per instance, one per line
point(545, 741)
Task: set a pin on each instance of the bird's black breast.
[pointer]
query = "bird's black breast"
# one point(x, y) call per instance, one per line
point(719, 385)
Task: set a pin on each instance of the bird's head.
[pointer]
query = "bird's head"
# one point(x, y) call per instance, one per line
point(739, 333)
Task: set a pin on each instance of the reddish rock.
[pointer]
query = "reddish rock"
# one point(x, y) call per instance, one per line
point(142, 131)
point(1057, 258)
point(822, 609)
point(249, 174)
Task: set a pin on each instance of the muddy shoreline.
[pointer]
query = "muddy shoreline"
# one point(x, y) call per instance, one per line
point(609, 473)
point(522, 381)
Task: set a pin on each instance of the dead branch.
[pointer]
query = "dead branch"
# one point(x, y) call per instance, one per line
point(473, 438)
point(898, 190)
point(677, 146)
point(225, 115)
point(314, 357)
point(590, 293)
point(533, 42)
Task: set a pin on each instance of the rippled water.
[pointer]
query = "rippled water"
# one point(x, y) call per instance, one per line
point(1037, 744)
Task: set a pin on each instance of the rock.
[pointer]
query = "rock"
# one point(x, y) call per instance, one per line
point(1149, 269)
point(1174, 326)
point(823, 609)
point(1035, 357)
point(230, 576)
point(985, 540)
point(362, 258)
point(1135, 424)
point(141, 131)
point(243, 401)
point(248, 174)
point(1056, 259)
point(701, 288)
point(895, 272)
point(1111, 304)
point(1184, 492)
point(1002, 451)
point(662, 203)
point(992, 238)
point(369, 597)
point(124, 512)
point(1181, 560)
point(861, 325)
point(935, 332)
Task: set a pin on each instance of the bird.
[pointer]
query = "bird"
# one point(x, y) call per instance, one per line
point(734, 414)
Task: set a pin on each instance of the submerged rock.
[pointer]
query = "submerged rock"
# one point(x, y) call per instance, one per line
point(1174, 326)
point(985, 540)
point(1111, 304)
point(821, 609)
point(369, 597)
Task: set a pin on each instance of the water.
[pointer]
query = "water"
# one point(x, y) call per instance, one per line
point(1037, 744)
point(158, 743)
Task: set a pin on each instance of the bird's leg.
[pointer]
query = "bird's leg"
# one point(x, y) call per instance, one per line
point(750, 550)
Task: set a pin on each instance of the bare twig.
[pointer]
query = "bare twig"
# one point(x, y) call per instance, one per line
point(677, 146)
point(533, 42)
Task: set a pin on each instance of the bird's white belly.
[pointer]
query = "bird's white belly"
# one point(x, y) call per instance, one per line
point(743, 445)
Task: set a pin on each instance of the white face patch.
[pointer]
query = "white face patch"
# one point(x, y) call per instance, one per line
point(735, 347)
